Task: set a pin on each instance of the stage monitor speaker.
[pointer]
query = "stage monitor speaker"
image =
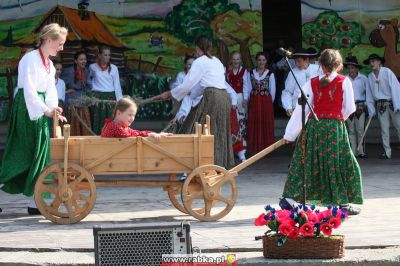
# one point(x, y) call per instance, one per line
point(141, 244)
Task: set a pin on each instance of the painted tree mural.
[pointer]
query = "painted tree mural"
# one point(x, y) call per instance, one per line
point(190, 18)
point(238, 28)
point(330, 30)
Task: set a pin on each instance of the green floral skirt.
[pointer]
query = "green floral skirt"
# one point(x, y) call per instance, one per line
point(332, 173)
point(27, 150)
point(101, 111)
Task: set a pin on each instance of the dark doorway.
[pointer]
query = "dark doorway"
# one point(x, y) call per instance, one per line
point(281, 21)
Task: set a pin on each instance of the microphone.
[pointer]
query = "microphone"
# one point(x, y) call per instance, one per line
point(283, 52)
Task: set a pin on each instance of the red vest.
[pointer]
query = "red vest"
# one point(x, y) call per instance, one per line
point(236, 81)
point(328, 100)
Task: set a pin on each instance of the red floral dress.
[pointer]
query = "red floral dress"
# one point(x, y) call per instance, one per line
point(114, 129)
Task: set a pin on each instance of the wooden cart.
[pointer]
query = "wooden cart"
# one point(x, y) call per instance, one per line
point(65, 191)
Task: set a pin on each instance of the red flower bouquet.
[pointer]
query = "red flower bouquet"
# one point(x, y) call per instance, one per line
point(302, 221)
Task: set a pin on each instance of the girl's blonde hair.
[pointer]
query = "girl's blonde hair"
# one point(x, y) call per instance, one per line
point(52, 31)
point(331, 59)
point(123, 104)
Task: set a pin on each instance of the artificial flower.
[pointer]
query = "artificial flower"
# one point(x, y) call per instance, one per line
point(335, 222)
point(295, 233)
point(285, 229)
point(260, 220)
point(307, 229)
point(326, 229)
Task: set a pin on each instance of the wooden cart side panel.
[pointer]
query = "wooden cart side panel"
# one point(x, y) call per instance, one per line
point(89, 150)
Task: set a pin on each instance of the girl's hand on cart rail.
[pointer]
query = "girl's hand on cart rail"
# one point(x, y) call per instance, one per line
point(157, 136)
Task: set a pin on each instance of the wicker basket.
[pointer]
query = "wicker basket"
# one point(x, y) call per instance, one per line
point(305, 248)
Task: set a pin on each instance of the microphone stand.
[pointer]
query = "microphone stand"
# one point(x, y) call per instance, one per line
point(303, 101)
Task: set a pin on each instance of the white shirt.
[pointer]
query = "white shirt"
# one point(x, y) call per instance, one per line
point(292, 92)
point(385, 87)
point(105, 81)
point(186, 106)
point(272, 87)
point(293, 128)
point(33, 78)
point(60, 86)
point(179, 79)
point(360, 84)
point(208, 72)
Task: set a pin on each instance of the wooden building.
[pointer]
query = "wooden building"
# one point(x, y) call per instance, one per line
point(85, 31)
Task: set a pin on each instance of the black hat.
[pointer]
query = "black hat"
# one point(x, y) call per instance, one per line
point(302, 53)
point(352, 60)
point(373, 56)
point(312, 52)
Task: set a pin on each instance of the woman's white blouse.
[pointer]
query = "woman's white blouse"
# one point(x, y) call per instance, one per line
point(33, 78)
point(208, 72)
point(105, 81)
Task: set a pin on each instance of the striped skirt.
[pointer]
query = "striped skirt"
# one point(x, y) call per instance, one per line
point(217, 104)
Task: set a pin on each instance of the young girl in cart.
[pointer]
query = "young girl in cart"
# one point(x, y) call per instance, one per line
point(124, 115)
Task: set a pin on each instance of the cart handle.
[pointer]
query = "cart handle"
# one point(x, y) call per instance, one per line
point(257, 156)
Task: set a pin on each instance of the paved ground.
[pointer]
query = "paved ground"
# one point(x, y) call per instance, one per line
point(377, 228)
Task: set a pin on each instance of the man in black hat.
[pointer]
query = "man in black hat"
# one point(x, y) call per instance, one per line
point(384, 93)
point(303, 72)
point(356, 121)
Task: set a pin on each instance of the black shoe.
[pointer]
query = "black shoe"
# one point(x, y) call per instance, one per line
point(285, 205)
point(33, 211)
point(1, 210)
point(362, 156)
point(383, 156)
point(351, 210)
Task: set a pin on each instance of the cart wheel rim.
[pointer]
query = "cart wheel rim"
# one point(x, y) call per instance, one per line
point(211, 178)
point(174, 194)
point(65, 205)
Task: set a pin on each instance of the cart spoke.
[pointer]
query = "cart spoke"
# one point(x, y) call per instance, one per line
point(76, 205)
point(56, 203)
point(78, 180)
point(49, 189)
point(219, 197)
point(194, 195)
point(68, 205)
point(208, 207)
point(59, 175)
point(218, 181)
point(83, 197)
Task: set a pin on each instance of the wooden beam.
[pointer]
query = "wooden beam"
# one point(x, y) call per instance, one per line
point(109, 155)
point(167, 153)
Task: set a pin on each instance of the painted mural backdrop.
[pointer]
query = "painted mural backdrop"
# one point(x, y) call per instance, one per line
point(358, 27)
point(156, 35)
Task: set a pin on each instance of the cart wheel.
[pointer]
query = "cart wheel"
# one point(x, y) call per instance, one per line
point(216, 195)
point(69, 206)
point(173, 192)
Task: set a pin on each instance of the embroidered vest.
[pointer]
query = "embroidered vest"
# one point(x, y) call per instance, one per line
point(236, 80)
point(328, 100)
point(260, 87)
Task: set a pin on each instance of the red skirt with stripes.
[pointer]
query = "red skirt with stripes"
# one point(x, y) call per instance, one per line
point(260, 124)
